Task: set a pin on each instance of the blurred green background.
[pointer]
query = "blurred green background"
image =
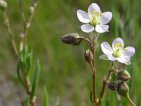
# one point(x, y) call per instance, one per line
point(64, 71)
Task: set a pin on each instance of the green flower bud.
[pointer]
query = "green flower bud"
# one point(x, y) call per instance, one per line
point(122, 89)
point(3, 5)
point(123, 75)
point(73, 39)
point(112, 86)
point(88, 55)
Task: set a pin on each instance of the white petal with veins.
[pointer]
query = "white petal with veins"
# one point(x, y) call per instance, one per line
point(87, 28)
point(117, 40)
point(83, 16)
point(93, 7)
point(129, 51)
point(102, 28)
point(124, 59)
point(106, 48)
point(111, 57)
point(105, 18)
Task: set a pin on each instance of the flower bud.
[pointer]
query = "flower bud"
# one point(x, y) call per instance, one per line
point(73, 39)
point(122, 89)
point(112, 86)
point(123, 75)
point(3, 4)
point(31, 10)
point(88, 55)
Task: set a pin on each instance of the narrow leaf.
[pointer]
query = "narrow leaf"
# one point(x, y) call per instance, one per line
point(35, 80)
point(46, 103)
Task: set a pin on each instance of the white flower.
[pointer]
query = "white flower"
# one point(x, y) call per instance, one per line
point(94, 19)
point(117, 51)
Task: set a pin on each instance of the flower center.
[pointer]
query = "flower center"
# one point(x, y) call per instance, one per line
point(117, 53)
point(95, 17)
point(118, 49)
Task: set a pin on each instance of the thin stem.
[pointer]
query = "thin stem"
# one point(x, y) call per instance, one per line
point(33, 104)
point(28, 90)
point(87, 41)
point(94, 81)
point(10, 32)
point(106, 79)
point(22, 10)
point(27, 25)
point(92, 64)
point(130, 101)
point(27, 85)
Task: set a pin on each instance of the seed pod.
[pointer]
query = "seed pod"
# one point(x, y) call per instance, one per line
point(123, 75)
point(3, 5)
point(112, 86)
point(88, 55)
point(122, 89)
point(72, 39)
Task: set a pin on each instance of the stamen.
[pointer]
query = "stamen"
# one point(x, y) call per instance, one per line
point(118, 45)
point(95, 17)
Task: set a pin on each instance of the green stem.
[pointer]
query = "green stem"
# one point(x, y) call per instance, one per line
point(130, 101)
point(10, 32)
point(22, 10)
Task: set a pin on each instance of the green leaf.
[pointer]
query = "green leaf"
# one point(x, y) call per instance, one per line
point(91, 97)
point(19, 74)
point(25, 60)
point(46, 102)
point(35, 80)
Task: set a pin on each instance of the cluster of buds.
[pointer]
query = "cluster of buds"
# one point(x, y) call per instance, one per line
point(120, 85)
point(3, 5)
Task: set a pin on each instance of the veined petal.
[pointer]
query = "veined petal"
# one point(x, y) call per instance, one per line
point(83, 16)
point(111, 57)
point(106, 48)
point(87, 28)
point(118, 41)
point(104, 57)
point(124, 59)
point(105, 18)
point(93, 7)
point(129, 51)
point(102, 28)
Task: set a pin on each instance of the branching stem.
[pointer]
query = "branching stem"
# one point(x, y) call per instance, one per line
point(27, 25)
point(105, 80)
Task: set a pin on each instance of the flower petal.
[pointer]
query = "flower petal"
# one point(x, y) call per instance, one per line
point(102, 28)
point(129, 51)
point(105, 18)
point(117, 40)
point(106, 48)
point(87, 28)
point(111, 57)
point(124, 59)
point(93, 7)
point(83, 16)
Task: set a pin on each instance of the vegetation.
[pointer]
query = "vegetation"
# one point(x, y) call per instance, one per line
point(64, 71)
